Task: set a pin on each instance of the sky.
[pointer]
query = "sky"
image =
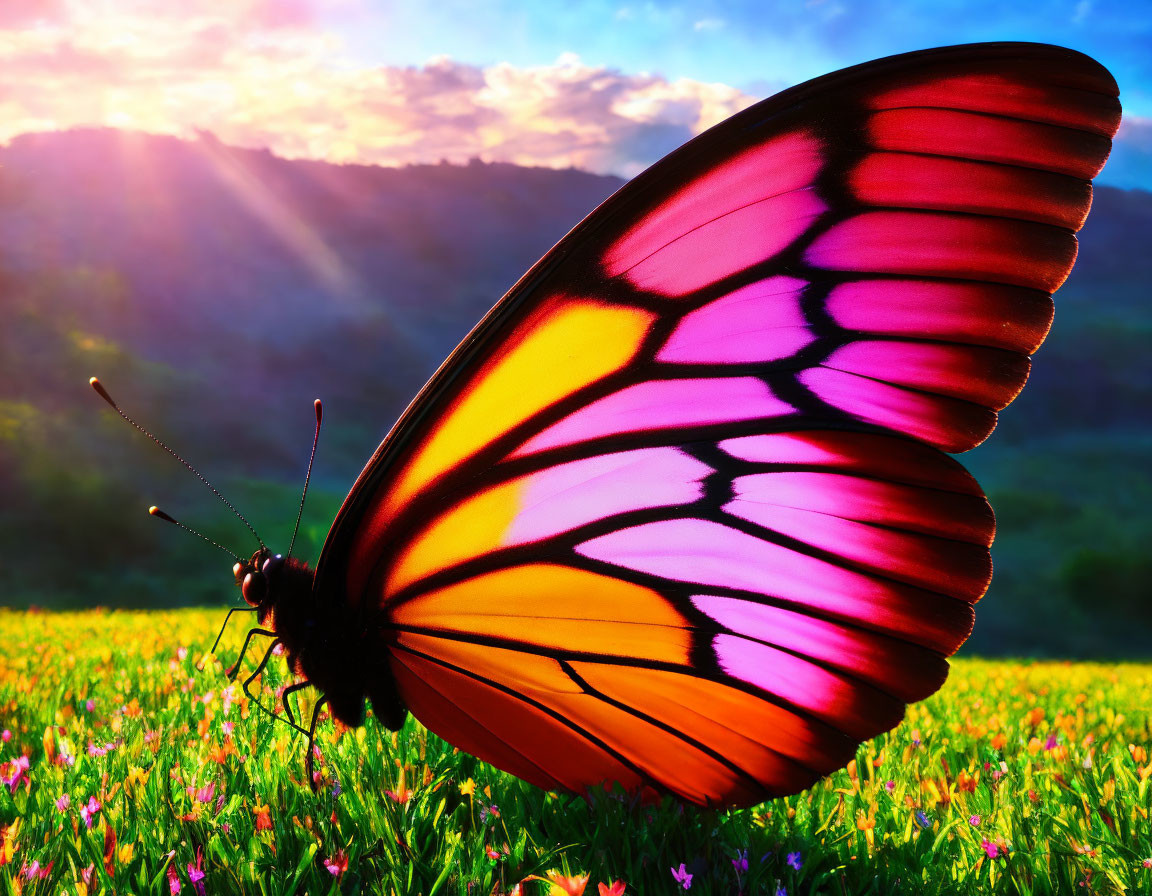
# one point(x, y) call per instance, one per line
point(605, 85)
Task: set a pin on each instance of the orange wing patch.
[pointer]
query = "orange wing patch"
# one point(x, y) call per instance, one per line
point(557, 607)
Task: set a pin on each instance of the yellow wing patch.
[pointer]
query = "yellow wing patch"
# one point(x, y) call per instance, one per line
point(573, 343)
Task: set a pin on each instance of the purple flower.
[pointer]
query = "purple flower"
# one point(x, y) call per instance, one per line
point(889, 786)
point(922, 819)
point(974, 820)
point(336, 788)
point(90, 704)
point(174, 885)
point(990, 848)
point(740, 863)
point(196, 874)
point(794, 860)
point(1051, 743)
point(88, 813)
point(63, 802)
point(682, 877)
point(780, 891)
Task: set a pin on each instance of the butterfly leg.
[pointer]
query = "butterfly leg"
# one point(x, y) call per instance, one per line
point(235, 670)
point(308, 759)
point(216, 643)
point(292, 689)
point(256, 674)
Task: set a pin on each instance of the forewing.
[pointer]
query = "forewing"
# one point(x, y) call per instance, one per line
point(677, 513)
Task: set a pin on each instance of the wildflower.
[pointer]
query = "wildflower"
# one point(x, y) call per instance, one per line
point(88, 813)
point(889, 786)
point(136, 777)
point(5, 735)
point(999, 741)
point(174, 885)
point(1051, 743)
point(570, 886)
point(916, 738)
point(337, 864)
point(990, 848)
point(125, 852)
point(468, 788)
point(780, 890)
point(740, 863)
point(492, 810)
point(204, 794)
point(493, 854)
point(923, 820)
point(974, 820)
point(90, 704)
point(336, 791)
point(1147, 863)
point(196, 874)
point(794, 860)
point(63, 801)
point(182, 653)
point(617, 889)
point(682, 877)
point(226, 727)
point(17, 773)
point(402, 794)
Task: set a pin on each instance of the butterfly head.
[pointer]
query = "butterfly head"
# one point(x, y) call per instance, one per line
point(254, 576)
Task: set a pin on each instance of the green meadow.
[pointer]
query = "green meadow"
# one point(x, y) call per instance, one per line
point(131, 765)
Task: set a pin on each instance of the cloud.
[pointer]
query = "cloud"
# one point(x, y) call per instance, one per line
point(1130, 164)
point(262, 75)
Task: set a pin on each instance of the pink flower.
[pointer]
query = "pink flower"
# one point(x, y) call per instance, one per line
point(682, 877)
point(17, 772)
point(5, 735)
point(740, 863)
point(974, 820)
point(174, 885)
point(182, 653)
point(204, 794)
point(889, 786)
point(196, 874)
point(90, 704)
point(337, 864)
point(63, 802)
point(990, 848)
point(88, 813)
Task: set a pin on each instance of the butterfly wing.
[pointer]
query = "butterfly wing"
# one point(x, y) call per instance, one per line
point(678, 513)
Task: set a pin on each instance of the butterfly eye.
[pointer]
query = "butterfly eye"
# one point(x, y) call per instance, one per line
point(273, 565)
point(255, 588)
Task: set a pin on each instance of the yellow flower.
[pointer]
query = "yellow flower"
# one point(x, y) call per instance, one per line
point(124, 854)
point(136, 777)
point(468, 788)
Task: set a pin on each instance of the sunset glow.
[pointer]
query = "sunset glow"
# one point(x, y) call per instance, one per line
point(353, 81)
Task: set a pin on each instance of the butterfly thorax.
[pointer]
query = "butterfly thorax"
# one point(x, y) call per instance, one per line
point(326, 642)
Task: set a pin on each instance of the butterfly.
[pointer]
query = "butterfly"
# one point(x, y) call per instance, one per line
point(679, 514)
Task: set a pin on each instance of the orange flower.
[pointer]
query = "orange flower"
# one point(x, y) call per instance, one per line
point(1035, 716)
point(999, 741)
point(263, 817)
point(562, 884)
point(401, 794)
point(617, 889)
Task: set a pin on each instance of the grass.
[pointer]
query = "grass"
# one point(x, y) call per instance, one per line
point(1015, 778)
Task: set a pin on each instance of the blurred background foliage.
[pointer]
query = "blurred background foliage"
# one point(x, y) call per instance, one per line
point(217, 291)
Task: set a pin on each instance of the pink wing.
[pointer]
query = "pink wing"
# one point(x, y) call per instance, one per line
point(677, 514)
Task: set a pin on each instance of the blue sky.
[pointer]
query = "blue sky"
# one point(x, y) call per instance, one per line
point(607, 85)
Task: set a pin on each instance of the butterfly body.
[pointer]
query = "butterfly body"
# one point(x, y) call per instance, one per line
point(679, 514)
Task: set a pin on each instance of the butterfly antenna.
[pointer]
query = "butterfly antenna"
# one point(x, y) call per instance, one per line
point(308, 475)
point(102, 392)
point(157, 512)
